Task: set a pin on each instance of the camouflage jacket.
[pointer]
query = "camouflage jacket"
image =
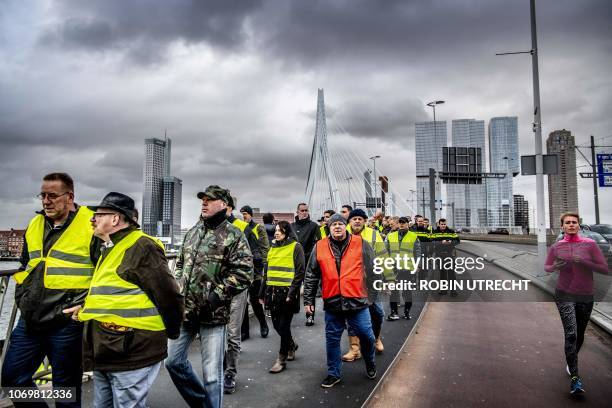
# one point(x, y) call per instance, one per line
point(214, 264)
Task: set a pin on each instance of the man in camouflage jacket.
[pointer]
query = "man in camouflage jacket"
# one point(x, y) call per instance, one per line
point(214, 264)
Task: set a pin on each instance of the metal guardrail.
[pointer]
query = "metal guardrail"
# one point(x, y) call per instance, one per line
point(5, 277)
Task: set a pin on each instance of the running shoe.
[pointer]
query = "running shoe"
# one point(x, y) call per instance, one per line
point(330, 381)
point(229, 384)
point(371, 371)
point(393, 316)
point(407, 316)
point(576, 386)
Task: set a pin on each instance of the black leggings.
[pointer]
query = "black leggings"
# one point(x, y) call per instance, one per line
point(257, 307)
point(281, 320)
point(574, 317)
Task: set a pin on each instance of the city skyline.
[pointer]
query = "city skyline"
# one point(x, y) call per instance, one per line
point(83, 83)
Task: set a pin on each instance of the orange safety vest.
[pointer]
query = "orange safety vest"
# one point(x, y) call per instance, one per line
point(350, 282)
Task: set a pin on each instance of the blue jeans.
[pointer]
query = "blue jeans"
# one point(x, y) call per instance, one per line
point(197, 393)
point(124, 388)
point(359, 321)
point(377, 315)
point(63, 347)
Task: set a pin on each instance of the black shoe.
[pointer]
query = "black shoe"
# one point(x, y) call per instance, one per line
point(393, 316)
point(330, 381)
point(264, 330)
point(310, 320)
point(244, 336)
point(407, 316)
point(371, 371)
point(229, 384)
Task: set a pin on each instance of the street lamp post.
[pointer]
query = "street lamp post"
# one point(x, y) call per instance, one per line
point(348, 180)
point(373, 158)
point(433, 104)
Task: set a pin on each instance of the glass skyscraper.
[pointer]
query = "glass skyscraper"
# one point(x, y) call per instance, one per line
point(429, 141)
point(503, 158)
point(469, 199)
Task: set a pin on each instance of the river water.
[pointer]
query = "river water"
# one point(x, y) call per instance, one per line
point(8, 300)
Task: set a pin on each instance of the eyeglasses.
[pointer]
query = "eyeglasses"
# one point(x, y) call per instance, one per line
point(99, 214)
point(50, 196)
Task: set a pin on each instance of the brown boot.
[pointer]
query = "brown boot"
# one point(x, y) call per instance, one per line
point(279, 364)
point(378, 345)
point(354, 352)
point(291, 354)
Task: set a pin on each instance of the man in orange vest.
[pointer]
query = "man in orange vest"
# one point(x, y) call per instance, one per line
point(343, 263)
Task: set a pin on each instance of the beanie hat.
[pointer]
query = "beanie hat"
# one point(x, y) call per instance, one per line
point(336, 218)
point(357, 212)
point(247, 209)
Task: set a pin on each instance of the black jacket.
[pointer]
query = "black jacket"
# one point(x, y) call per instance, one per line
point(340, 303)
point(41, 308)
point(307, 233)
point(276, 296)
point(145, 265)
point(448, 248)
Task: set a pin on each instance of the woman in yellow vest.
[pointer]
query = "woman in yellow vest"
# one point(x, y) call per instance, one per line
point(280, 290)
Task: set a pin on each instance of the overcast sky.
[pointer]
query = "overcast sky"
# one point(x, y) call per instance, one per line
point(83, 83)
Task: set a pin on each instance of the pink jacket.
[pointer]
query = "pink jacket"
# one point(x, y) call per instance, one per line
point(576, 278)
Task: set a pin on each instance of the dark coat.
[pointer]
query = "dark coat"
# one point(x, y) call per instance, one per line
point(307, 233)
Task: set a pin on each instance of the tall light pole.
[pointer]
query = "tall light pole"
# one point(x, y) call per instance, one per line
point(373, 158)
point(348, 180)
point(537, 129)
point(433, 104)
point(412, 193)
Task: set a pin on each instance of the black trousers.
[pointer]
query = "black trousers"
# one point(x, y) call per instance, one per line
point(575, 318)
point(281, 320)
point(257, 307)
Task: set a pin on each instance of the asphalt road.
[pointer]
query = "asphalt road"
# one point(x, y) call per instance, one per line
point(297, 386)
point(495, 354)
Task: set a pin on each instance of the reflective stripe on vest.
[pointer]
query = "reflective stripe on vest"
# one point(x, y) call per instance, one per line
point(281, 269)
point(112, 299)
point(351, 281)
point(68, 263)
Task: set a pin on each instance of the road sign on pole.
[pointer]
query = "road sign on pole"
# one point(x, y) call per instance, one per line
point(604, 169)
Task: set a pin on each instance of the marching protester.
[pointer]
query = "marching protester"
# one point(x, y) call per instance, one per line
point(424, 235)
point(264, 246)
point(213, 266)
point(357, 219)
point(575, 258)
point(324, 228)
point(308, 234)
point(343, 264)
point(269, 225)
point(235, 336)
point(403, 242)
point(280, 290)
point(57, 263)
point(444, 241)
point(345, 211)
point(132, 307)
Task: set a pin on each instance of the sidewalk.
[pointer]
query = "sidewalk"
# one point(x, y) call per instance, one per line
point(524, 265)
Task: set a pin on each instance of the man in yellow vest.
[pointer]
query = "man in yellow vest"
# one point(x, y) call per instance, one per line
point(404, 243)
point(57, 263)
point(357, 219)
point(324, 228)
point(133, 306)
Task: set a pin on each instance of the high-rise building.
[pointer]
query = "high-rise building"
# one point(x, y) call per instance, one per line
point(429, 140)
point(521, 211)
point(503, 158)
point(562, 187)
point(171, 213)
point(469, 199)
point(161, 214)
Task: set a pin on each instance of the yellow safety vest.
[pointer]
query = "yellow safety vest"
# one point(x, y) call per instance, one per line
point(281, 269)
point(373, 237)
point(406, 247)
point(323, 232)
point(68, 263)
point(112, 299)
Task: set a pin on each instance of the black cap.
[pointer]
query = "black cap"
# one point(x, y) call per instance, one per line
point(214, 192)
point(120, 203)
point(404, 220)
point(357, 212)
point(247, 209)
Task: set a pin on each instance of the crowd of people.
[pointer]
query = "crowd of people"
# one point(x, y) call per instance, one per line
point(96, 293)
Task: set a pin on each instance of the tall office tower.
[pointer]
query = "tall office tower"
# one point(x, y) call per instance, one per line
point(521, 211)
point(171, 219)
point(155, 165)
point(429, 141)
point(562, 187)
point(470, 201)
point(503, 158)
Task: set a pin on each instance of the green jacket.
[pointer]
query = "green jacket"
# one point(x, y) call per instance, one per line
point(214, 264)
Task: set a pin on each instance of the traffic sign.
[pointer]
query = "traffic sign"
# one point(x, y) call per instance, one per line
point(604, 169)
